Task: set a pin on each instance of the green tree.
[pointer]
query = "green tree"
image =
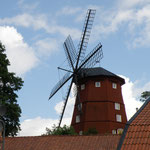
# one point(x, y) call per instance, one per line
point(9, 85)
point(144, 96)
point(65, 130)
point(91, 131)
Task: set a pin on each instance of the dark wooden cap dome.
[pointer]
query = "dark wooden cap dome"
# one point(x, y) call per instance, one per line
point(98, 71)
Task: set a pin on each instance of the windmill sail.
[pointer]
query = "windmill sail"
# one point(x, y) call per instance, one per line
point(93, 57)
point(65, 103)
point(85, 34)
point(70, 52)
point(65, 78)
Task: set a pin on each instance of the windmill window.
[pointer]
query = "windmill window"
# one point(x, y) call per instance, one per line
point(117, 106)
point(119, 131)
point(118, 118)
point(79, 106)
point(97, 84)
point(77, 119)
point(81, 132)
point(114, 132)
point(114, 85)
point(82, 86)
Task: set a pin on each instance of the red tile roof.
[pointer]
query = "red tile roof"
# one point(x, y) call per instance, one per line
point(136, 134)
point(97, 142)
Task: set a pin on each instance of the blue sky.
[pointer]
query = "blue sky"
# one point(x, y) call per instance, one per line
point(33, 32)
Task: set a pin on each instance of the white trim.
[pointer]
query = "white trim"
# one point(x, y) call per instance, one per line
point(81, 133)
point(97, 84)
point(119, 131)
point(114, 132)
point(117, 106)
point(114, 85)
point(77, 118)
point(82, 86)
point(118, 118)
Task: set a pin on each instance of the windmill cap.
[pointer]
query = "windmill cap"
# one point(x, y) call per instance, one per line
point(99, 71)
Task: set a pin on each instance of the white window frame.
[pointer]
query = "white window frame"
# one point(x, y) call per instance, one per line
point(114, 85)
point(118, 118)
point(81, 133)
point(117, 106)
point(119, 131)
point(82, 86)
point(98, 84)
point(114, 132)
point(77, 118)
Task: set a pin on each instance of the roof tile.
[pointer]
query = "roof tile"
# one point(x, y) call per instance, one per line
point(137, 135)
point(98, 142)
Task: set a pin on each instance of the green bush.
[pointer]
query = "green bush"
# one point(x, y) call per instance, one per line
point(65, 130)
point(91, 131)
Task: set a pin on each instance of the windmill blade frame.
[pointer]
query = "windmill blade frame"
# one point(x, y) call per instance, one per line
point(65, 103)
point(85, 35)
point(70, 52)
point(91, 59)
point(65, 78)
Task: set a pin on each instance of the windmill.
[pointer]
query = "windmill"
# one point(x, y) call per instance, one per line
point(77, 60)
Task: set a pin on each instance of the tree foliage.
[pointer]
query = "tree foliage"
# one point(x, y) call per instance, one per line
point(65, 130)
point(9, 85)
point(144, 96)
point(91, 131)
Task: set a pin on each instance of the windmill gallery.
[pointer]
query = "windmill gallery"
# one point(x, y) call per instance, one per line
point(98, 103)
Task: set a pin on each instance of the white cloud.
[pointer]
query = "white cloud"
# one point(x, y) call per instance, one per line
point(113, 21)
point(133, 17)
point(19, 53)
point(70, 104)
point(142, 37)
point(68, 11)
point(130, 101)
point(27, 7)
point(65, 31)
point(131, 4)
point(138, 88)
point(69, 108)
point(26, 20)
point(38, 22)
point(36, 126)
point(46, 46)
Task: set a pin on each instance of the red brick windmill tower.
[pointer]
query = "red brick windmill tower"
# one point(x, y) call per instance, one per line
point(99, 107)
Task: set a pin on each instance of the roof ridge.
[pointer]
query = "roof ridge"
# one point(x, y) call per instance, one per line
point(99, 135)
